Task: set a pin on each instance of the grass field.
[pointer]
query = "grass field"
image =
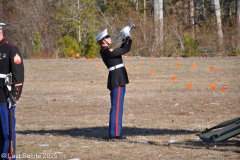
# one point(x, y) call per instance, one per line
point(64, 109)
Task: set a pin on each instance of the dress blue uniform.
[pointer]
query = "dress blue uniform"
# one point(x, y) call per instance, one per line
point(117, 80)
point(10, 62)
point(116, 112)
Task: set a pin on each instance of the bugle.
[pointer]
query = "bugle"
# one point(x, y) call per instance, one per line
point(122, 33)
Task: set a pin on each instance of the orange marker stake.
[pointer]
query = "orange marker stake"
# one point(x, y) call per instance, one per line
point(189, 86)
point(138, 67)
point(173, 79)
point(212, 86)
point(153, 73)
point(224, 89)
point(211, 69)
point(77, 55)
point(178, 64)
point(194, 65)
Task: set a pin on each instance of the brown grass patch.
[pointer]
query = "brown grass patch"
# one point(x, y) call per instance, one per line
point(64, 109)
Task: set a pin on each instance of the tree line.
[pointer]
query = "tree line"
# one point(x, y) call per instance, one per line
point(64, 28)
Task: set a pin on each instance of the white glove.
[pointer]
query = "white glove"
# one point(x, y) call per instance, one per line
point(126, 32)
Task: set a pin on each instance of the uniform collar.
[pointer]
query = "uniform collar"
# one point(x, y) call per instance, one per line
point(2, 41)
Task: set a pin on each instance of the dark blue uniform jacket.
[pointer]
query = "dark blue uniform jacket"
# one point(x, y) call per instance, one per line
point(11, 62)
point(117, 77)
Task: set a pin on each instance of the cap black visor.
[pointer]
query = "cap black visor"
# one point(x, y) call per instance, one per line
point(107, 36)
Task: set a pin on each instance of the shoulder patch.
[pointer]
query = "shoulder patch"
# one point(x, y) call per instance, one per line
point(17, 59)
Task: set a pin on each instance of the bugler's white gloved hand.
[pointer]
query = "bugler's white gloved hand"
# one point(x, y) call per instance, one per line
point(126, 32)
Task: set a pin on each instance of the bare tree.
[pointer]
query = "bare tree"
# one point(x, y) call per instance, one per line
point(144, 12)
point(238, 24)
point(25, 19)
point(1, 10)
point(135, 2)
point(158, 21)
point(191, 11)
point(219, 22)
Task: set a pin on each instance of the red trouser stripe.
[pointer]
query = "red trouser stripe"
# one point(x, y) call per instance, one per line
point(117, 109)
point(11, 151)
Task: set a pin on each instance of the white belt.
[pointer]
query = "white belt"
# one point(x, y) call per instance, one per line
point(3, 75)
point(115, 67)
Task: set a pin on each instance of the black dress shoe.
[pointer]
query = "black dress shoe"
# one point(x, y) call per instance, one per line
point(119, 137)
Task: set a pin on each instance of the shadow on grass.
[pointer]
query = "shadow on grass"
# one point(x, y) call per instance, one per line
point(102, 132)
point(230, 145)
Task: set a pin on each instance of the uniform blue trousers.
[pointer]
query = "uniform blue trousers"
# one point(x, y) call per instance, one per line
point(5, 131)
point(116, 113)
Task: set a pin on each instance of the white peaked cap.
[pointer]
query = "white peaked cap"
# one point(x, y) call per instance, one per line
point(101, 35)
point(1, 25)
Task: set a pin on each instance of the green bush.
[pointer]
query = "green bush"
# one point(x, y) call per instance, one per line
point(235, 51)
point(190, 47)
point(91, 48)
point(68, 46)
point(37, 45)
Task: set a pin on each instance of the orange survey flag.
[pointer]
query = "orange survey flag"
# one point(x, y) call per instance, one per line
point(211, 69)
point(212, 86)
point(173, 79)
point(153, 73)
point(189, 86)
